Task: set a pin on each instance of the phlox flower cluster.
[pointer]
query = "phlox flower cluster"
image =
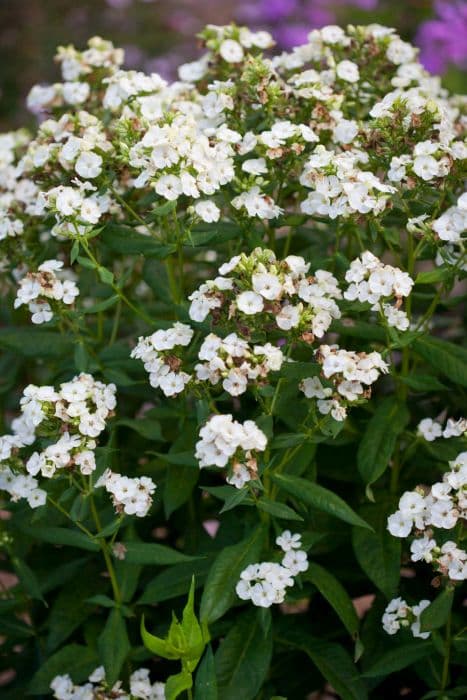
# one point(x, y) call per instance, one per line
point(235, 362)
point(224, 442)
point(430, 429)
point(159, 353)
point(140, 686)
point(39, 289)
point(399, 615)
point(453, 222)
point(77, 413)
point(266, 583)
point(71, 148)
point(76, 67)
point(339, 186)
point(176, 158)
point(279, 294)
point(430, 160)
point(132, 496)
point(231, 360)
point(18, 485)
point(372, 281)
point(349, 378)
point(450, 230)
point(441, 507)
point(17, 193)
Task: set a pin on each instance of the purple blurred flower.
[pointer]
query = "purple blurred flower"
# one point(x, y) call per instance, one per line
point(362, 4)
point(443, 40)
point(318, 15)
point(290, 35)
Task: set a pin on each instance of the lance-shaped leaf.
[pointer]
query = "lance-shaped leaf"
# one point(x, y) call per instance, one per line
point(437, 613)
point(336, 595)
point(243, 658)
point(320, 498)
point(379, 440)
point(219, 591)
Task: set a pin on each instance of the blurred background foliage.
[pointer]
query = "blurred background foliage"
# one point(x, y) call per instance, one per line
point(157, 36)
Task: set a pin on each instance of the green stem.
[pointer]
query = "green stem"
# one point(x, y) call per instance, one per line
point(68, 516)
point(279, 383)
point(105, 551)
point(116, 323)
point(130, 210)
point(447, 655)
point(116, 288)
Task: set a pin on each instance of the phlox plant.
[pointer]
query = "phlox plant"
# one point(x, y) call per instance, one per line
point(233, 462)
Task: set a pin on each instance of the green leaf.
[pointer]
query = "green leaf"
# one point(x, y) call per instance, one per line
point(360, 330)
point(423, 382)
point(331, 659)
point(128, 577)
point(175, 685)
point(320, 498)
point(193, 633)
point(396, 659)
point(148, 428)
point(69, 609)
point(243, 658)
point(285, 440)
point(431, 276)
point(13, 628)
point(236, 498)
point(164, 209)
point(60, 536)
point(217, 234)
point(377, 552)
point(458, 692)
point(125, 240)
point(27, 578)
point(113, 645)
point(379, 440)
point(155, 276)
point(219, 591)
point(447, 358)
point(185, 458)
point(102, 600)
point(154, 554)
point(74, 252)
point(437, 613)
point(278, 510)
point(80, 357)
point(101, 305)
point(181, 480)
point(86, 262)
point(76, 660)
point(105, 275)
point(160, 647)
point(336, 595)
point(175, 581)
point(31, 342)
point(206, 681)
